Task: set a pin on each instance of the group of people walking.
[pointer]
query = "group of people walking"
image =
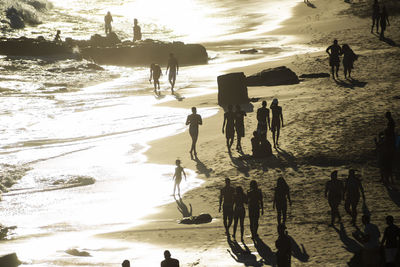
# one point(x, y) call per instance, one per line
point(335, 51)
point(380, 17)
point(172, 67)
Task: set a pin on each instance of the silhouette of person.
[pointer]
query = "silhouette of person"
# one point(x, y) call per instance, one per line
point(263, 121)
point(226, 197)
point(284, 247)
point(390, 241)
point(255, 203)
point(383, 18)
point(173, 68)
point(194, 120)
point(229, 121)
point(334, 190)
point(239, 211)
point(169, 262)
point(107, 23)
point(178, 176)
point(375, 16)
point(277, 118)
point(334, 52)
point(348, 60)
point(137, 31)
point(239, 125)
point(155, 73)
point(282, 192)
point(255, 145)
point(126, 263)
point(384, 163)
point(352, 190)
point(370, 240)
point(57, 38)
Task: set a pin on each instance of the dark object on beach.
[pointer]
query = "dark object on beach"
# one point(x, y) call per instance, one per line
point(202, 218)
point(9, 260)
point(31, 47)
point(4, 231)
point(275, 76)
point(16, 22)
point(75, 252)
point(104, 41)
point(232, 89)
point(248, 51)
point(315, 75)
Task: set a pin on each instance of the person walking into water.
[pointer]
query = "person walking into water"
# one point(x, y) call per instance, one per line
point(107, 23)
point(348, 60)
point(352, 190)
point(137, 31)
point(391, 241)
point(229, 121)
point(178, 176)
point(239, 211)
point(375, 16)
point(168, 261)
point(194, 120)
point(263, 120)
point(384, 21)
point(226, 199)
point(277, 119)
point(282, 192)
point(173, 68)
point(334, 51)
point(255, 203)
point(155, 73)
point(334, 192)
point(239, 126)
point(284, 247)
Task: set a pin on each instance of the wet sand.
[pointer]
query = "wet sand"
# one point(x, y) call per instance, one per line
point(328, 126)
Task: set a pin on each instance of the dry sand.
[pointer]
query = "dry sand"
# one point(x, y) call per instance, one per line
point(328, 126)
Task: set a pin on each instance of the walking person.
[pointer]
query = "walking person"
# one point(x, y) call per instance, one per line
point(229, 121)
point(263, 121)
point(281, 195)
point(334, 51)
point(239, 211)
point(155, 73)
point(384, 21)
point(375, 16)
point(226, 199)
point(352, 190)
point(194, 120)
point(173, 68)
point(178, 176)
point(277, 119)
point(255, 203)
point(107, 23)
point(334, 190)
point(348, 60)
point(390, 241)
point(284, 247)
point(239, 126)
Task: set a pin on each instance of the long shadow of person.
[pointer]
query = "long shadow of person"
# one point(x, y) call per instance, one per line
point(394, 194)
point(352, 83)
point(351, 246)
point(241, 165)
point(202, 168)
point(265, 252)
point(297, 252)
point(288, 157)
point(390, 42)
point(183, 208)
point(241, 255)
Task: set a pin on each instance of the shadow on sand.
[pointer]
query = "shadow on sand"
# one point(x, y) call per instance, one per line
point(351, 245)
point(265, 252)
point(183, 208)
point(350, 83)
point(242, 255)
point(202, 168)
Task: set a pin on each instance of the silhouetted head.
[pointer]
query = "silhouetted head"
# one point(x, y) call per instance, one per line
point(389, 220)
point(230, 107)
point(152, 65)
point(167, 254)
point(126, 263)
point(108, 13)
point(365, 219)
point(280, 183)
point(352, 174)
point(194, 110)
point(264, 103)
point(135, 21)
point(345, 47)
point(275, 102)
point(178, 162)
point(253, 185)
point(239, 190)
point(334, 175)
point(388, 114)
point(281, 229)
point(227, 181)
point(238, 107)
point(58, 31)
point(335, 42)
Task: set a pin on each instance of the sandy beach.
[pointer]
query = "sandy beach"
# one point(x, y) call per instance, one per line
point(328, 126)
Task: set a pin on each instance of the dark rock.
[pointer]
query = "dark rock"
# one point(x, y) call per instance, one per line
point(232, 89)
point(75, 252)
point(5, 230)
point(315, 75)
point(10, 260)
point(248, 51)
point(31, 47)
point(104, 41)
point(202, 218)
point(274, 76)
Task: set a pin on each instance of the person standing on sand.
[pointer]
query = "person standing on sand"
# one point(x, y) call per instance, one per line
point(334, 51)
point(229, 121)
point(383, 18)
point(173, 68)
point(263, 121)
point(194, 120)
point(239, 126)
point(277, 118)
point(107, 23)
point(239, 212)
point(126, 263)
point(391, 241)
point(255, 203)
point(284, 247)
point(137, 31)
point(352, 190)
point(375, 16)
point(282, 192)
point(155, 73)
point(226, 197)
point(178, 176)
point(334, 191)
point(348, 60)
point(169, 262)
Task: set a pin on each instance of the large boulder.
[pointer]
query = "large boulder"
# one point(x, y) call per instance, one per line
point(10, 260)
point(273, 76)
point(104, 41)
point(202, 218)
point(31, 47)
point(232, 89)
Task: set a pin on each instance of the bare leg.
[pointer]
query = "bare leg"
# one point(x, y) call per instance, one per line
point(241, 227)
point(279, 216)
point(284, 211)
point(238, 142)
point(277, 135)
point(235, 223)
point(273, 138)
